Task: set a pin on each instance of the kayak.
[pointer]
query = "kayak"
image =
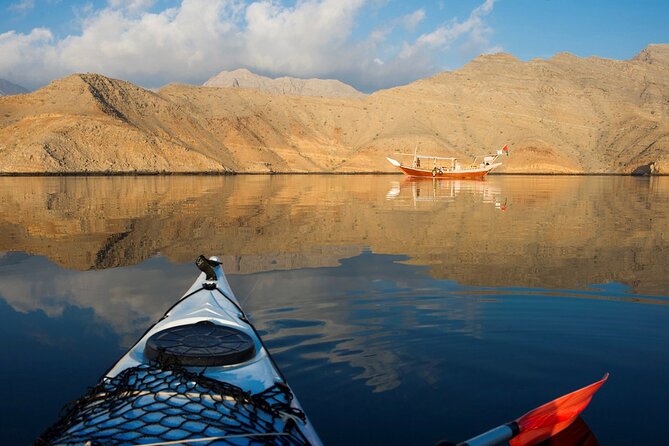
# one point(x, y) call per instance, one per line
point(200, 375)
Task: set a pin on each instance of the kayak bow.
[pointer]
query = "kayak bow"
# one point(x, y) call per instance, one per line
point(200, 375)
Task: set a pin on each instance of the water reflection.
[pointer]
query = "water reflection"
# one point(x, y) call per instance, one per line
point(441, 350)
point(127, 300)
point(577, 434)
point(47, 360)
point(389, 303)
point(557, 232)
point(373, 332)
point(430, 190)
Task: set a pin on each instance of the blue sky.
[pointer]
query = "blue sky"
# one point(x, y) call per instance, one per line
point(370, 44)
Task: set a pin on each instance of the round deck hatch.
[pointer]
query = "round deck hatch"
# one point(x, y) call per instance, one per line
point(200, 344)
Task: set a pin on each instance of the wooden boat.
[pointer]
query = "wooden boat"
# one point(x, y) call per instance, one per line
point(445, 167)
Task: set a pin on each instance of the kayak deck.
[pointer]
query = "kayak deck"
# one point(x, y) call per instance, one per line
point(151, 405)
point(154, 394)
point(210, 305)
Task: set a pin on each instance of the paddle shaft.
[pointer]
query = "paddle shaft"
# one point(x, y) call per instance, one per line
point(540, 423)
point(494, 436)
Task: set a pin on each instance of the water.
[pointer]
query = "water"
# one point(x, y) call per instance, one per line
point(401, 312)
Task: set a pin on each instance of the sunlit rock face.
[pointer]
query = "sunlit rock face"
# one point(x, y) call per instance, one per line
point(564, 114)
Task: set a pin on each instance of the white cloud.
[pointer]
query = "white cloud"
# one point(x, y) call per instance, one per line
point(411, 21)
point(180, 43)
point(305, 38)
point(474, 30)
point(21, 7)
point(132, 6)
point(27, 58)
point(198, 38)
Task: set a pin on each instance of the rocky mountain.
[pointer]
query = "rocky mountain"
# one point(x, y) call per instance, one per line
point(654, 54)
point(243, 78)
point(7, 88)
point(560, 115)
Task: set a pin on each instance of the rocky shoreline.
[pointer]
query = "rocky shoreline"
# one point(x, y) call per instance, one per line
point(204, 174)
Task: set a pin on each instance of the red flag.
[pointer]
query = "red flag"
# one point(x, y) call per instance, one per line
point(506, 149)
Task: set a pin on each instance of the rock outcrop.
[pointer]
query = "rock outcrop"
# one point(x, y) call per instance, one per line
point(561, 115)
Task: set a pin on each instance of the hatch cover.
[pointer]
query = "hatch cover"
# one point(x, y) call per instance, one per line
point(200, 344)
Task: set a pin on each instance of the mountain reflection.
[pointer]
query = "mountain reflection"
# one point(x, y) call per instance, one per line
point(375, 289)
point(556, 232)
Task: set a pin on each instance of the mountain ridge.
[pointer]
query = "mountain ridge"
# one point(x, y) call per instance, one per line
point(243, 78)
point(564, 114)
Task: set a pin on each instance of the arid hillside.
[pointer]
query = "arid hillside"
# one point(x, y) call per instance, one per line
point(561, 115)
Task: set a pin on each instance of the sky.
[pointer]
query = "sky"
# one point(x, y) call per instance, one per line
point(370, 44)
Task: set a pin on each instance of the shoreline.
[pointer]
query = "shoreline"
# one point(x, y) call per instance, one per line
point(167, 174)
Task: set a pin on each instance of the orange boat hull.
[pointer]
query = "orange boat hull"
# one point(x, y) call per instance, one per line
point(458, 174)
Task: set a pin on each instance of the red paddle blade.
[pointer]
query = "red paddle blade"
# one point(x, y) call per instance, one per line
point(543, 422)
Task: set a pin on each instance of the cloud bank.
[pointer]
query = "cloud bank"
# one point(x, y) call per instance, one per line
point(198, 38)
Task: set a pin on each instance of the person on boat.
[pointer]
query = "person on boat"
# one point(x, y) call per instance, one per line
point(417, 162)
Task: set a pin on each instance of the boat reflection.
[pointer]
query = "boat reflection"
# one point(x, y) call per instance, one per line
point(432, 189)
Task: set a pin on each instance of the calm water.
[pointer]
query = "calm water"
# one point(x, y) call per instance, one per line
point(401, 312)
